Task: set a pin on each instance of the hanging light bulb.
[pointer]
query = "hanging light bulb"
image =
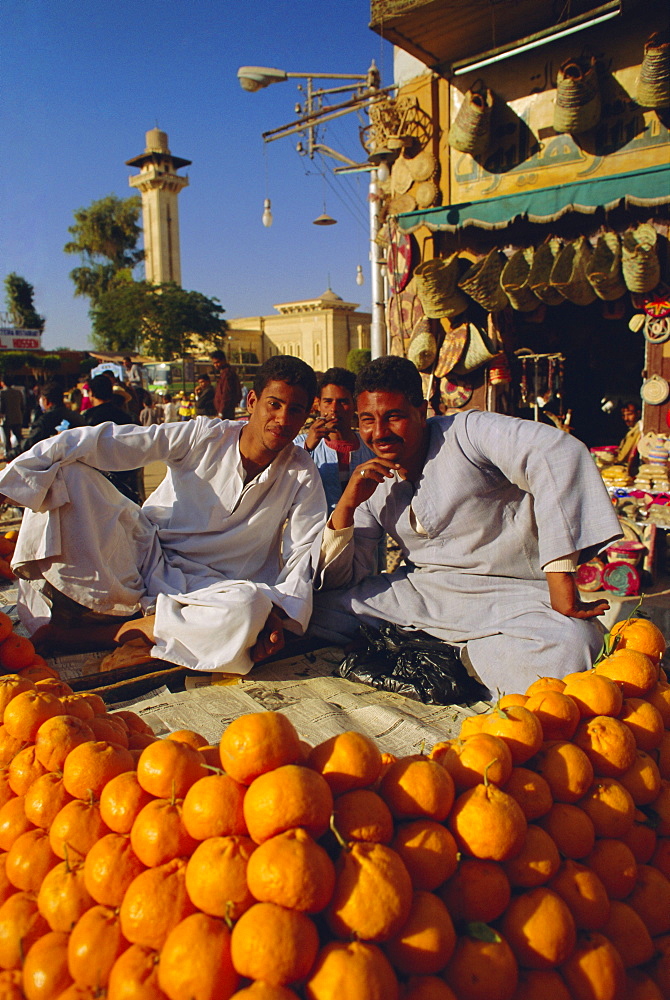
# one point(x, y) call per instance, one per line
point(360, 277)
point(267, 214)
point(383, 172)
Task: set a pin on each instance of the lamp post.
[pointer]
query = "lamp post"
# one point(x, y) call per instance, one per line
point(362, 90)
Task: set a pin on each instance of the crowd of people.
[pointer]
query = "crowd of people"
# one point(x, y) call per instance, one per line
point(261, 528)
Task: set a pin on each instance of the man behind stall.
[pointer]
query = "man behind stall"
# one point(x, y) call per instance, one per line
point(491, 513)
point(331, 441)
point(227, 391)
point(220, 551)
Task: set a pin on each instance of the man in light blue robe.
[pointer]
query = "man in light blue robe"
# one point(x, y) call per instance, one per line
point(492, 514)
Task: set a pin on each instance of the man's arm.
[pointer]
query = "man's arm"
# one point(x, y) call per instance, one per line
point(565, 599)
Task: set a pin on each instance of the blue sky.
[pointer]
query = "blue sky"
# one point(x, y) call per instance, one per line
point(83, 82)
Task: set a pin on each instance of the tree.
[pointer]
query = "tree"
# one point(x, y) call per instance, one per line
point(19, 298)
point(159, 320)
point(357, 358)
point(105, 236)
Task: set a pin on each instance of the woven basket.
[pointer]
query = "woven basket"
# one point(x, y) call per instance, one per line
point(482, 281)
point(639, 263)
point(471, 128)
point(452, 348)
point(604, 268)
point(514, 280)
point(422, 348)
point(436, 286)
point(577, 104)
point(653, 88)
point(568, 274)
point(540, 273)
point(478, 351)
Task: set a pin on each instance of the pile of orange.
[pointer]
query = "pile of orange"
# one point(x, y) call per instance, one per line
point(7, 546)
point(528, 858)
point(17, 653)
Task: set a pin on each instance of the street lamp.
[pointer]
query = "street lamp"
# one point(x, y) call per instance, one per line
point(361, 91)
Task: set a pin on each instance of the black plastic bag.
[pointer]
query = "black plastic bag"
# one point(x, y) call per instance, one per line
point(414, 664)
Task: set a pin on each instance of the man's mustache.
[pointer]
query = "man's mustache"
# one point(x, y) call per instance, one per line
point(389, 439)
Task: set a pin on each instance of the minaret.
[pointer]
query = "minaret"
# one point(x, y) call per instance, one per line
point(159, 184)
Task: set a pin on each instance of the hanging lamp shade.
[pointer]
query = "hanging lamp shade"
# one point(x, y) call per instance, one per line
point(324, 220)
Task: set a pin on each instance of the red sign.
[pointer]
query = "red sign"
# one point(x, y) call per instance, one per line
point(14, 338)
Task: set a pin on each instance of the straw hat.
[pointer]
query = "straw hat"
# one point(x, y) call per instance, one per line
point(436, 285)
point(568, 274)
point(540, 273)
point(422, 348)
point(482, 281)
point(453, 345)
point(514, 280)
point(604, 269)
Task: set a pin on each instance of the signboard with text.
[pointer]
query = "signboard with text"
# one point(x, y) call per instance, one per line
point(14, 338)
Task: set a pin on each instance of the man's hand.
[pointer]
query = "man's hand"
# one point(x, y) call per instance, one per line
point(270, 639)
point(320, 429)
point(565, 599)
point(363, 482)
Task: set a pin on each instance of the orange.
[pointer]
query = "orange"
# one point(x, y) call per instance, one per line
point(488, 823)
point(167, 769)
point(644, 721)
point(557, 712)
point(512, 699)
point(94, 701)
point(9, 746)
point(594, 970)
point(428, 850)
point(660, 810)
point(530, 790)
point(520, 729)
point(482, 969)
point(27, 711)
point(259, 990)
point(274, 944)
point(45, 971)
point(10, 686)
point(642, 779)
point(29, 859)
point(216, 876)
point(363, 815)
point(6, 887)
point(89, 766)
point(54, 685)
point(13, 822)
point(570, 828)
point(594, 694)
point(38, 671)
point(583, 892)
point(659, 697)
point(478, 891)
point(472, 724)
point(373, 893)
point(57, 736)
point(641, 635)
point(121, 800)
point(415, 787)
point(663, 755)
point(109, 868)
point(650, 899)
point(539, 929)
point(641, 838)
point(610, 807)
point(213, 807)
point(661, 857)
point(135, 722)
point(21, 924)
point(45, 798)
point(15, 652)
point(634, 672)
point(427, 988)
point(134, 975)
point(188, 736)
point(63, 897)
point(155, 902)
point(292, 870)
point(537, 861)
point(628, 934)
point(79, 992)
point(6, 626)
point(95, 944)
point(286, 797)
point(23, 770)
point(545, 684)
point(353, 970)
point(535, 983)
point(158, 833)
point(426, 941)
point(79, 705)
point(614, 863)
point(566, 769)
point(467, 760)
point(140, 741)
point(195, 960)
point(105, 727)
point(76, 828)
point(259, 742)
point(640, 986)
point(347, 761)
point(5, 791)
point(608, 743)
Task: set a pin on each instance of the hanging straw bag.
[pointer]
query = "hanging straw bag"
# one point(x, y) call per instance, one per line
point(604, 268)
point(479, 350)
point(452, 348)
point(436, 285)
point(471, 129)
point(422, 348)
point(577, 104)
point(653, 87)
point(514, 280)
point(540, 273)
point(482, 281)
point(639, 263)
point(568, 274)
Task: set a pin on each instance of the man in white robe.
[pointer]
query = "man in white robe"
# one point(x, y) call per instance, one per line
point(491, 513)
point(221, 550)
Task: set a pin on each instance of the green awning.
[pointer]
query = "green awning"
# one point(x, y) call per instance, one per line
point(646, 188)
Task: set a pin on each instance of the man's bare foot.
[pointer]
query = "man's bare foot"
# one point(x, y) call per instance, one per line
point(138, 628)
point(55, 640)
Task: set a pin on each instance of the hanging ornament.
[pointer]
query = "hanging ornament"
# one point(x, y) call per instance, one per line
point(266, 218)
point(360, 277)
